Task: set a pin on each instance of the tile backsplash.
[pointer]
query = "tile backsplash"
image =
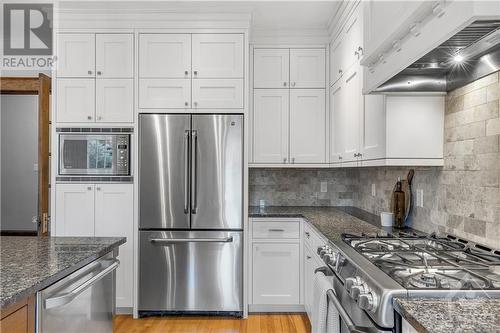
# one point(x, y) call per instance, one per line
point(462, 198)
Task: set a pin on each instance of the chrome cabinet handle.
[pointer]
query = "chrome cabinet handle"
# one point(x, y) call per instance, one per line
point(340, 71)
point(276, 230)
point(293, 84)
point(307, 234)
point(89, 72)
point(284, 84)
point(191, 240)
point(293, 159)
point(340, 157)
point(195, 72)
point(69, 296)
point(186, 171)
point(99, 118)
point(195, 104)
point(308, 257)
point(186, 72)
point(99, 72)
point(360, 50)
point(186, 103)
point(194, 169)
point(355, 155)
point(89, 188)
point(89, 117)
point(98, 188)
point(284, 160)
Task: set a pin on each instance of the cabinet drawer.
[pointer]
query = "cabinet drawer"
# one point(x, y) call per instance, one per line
point(311, 238)
point(276, 229)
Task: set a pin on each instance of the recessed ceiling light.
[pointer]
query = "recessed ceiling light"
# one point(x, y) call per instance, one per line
point(458, 58)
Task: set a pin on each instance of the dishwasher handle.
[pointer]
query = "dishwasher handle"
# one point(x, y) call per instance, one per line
point(65, 298)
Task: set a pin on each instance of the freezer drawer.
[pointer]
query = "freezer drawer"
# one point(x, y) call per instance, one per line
point(82, 302)
point(195, 271)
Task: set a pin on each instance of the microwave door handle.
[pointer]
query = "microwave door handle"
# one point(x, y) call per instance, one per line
point(186, 171)
point(343, 313)
point(194, 180)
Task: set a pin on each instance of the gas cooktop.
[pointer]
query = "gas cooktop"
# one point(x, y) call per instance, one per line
point(418, 261)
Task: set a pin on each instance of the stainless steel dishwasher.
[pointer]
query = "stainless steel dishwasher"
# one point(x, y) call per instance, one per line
point(81, 302)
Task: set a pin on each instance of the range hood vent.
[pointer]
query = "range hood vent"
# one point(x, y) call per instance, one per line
point(470, 54)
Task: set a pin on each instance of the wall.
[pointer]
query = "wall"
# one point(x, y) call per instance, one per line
point(462, 198)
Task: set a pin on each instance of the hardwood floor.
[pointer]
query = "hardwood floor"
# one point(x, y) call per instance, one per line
point(256, 323)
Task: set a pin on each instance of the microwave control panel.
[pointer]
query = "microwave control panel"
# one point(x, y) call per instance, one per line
point(122, 154)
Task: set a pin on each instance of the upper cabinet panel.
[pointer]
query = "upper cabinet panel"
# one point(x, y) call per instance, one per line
point(76, 55)
point(307, 68)
point(271, 68)
point(115, 55)
point(165, 55)
point(217, 55)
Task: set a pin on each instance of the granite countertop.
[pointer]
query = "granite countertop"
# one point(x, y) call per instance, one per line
point(346, 219)
point(29, 263)
point(450, 315)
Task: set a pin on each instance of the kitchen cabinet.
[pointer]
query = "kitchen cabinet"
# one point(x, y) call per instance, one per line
point(217, 93)
point(100, 210)
point(115, 100)
point(337, 100)
point(307, 126)
point(98, 88)
point(164, 93)
point(114, 218)
point(270, 125)
point(76, 55)
point(351, 113)
point(276, 273)
point(335, 62)
point(311, 263)
point(165, 56)
point(271, 68)
point(75, 102)
point(19, 317)
point(75, 210)
point(217, 55)
point(307, 68)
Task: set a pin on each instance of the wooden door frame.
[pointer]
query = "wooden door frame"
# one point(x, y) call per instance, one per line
point(40, 86)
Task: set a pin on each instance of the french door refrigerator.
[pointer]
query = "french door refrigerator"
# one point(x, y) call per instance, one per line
point(190, 214)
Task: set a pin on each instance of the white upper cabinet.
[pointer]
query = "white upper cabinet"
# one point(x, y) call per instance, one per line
point(165, 55)
point(373, 139)
point(270, 125)
point(307, 68)
point(352, 48)
point(307, 126)
point(75, 210)
point(76, 55)
point(217, 55)
point(75, 101)
point(217, 94)
point(115, 100)
point(351, 114)
point(271, 68)
point(114, 55)
point(337, 100)
point(335, 61)
point(114, 217)
point(164, 93)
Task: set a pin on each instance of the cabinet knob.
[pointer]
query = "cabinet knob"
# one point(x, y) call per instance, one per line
point(293, 84)
point(186, 72)
point(360, 50)
point(284, 84)
point(307, 234)
point(98, 188)
point(89, 117)
point(99, 118)
point(89, 188)
point(99, 72)
point(293, 159)
point(340, 157)
point(308, 257)
point(355, 155)
point(340, 71)
point(186, 103)
point(284, 160)
point(195, 72)
point(89, 72)
point(195, 103)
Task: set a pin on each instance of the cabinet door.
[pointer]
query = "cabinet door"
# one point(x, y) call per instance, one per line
point(218, 93)
point(217, 55)
point(271, 68)
point(352, 38)
point(75, 101)
point(75, 210)
point(373, 134)
point(115, 100)
point(337, 97)
point(335, 60)
point(270, 125)
point(76, 55)
point(276, 273)
point(114, 217)
point(115, 55)
point(307, 68)
point(165, 56)
point(164, 93)
point(351, 112)
point(307, 126)
point(310, 265)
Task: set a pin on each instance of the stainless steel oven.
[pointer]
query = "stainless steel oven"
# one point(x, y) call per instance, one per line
point(94, 154)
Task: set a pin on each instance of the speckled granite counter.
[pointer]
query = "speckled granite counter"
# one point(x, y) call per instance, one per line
point(450, 315)
point(29, 264)
point(332, 222)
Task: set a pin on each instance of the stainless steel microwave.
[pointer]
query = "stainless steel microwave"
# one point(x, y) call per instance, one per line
point(92, 154)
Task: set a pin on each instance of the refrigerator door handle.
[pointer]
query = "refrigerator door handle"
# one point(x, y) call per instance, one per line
point(194, 180)
point(186, 171)
point(191, 240)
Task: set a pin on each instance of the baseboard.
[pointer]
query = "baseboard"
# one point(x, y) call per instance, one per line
point(124, 311)
point(276, 308)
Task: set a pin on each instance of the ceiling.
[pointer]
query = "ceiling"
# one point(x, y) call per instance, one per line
point(266, 15)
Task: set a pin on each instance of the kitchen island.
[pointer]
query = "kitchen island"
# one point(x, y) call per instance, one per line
point(31, 264)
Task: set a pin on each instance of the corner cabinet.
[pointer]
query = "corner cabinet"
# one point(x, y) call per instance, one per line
point(100, 210)
point(95, 78)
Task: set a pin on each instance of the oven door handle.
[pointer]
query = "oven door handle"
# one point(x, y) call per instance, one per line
point(71, 295)
point(343, 313)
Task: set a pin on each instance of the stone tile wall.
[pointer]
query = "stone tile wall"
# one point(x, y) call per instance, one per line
point(462, 198)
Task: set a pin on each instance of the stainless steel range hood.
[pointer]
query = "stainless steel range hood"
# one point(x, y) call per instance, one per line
point(472, 53)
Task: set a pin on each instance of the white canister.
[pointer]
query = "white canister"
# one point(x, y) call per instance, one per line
point(386, 219)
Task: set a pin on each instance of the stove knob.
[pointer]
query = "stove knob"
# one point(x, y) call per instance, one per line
point(322, 249)
point(366, 301)
point(330, 258)
point(357, 290)
point(350, 282)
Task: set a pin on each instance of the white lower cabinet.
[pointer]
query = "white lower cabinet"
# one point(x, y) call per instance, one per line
point(276, 273)
point(75, 210)
point(114, 218)
point(311, 263)
point(100, 210)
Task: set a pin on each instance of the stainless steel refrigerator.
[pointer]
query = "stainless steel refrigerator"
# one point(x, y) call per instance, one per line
point(190, 214)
